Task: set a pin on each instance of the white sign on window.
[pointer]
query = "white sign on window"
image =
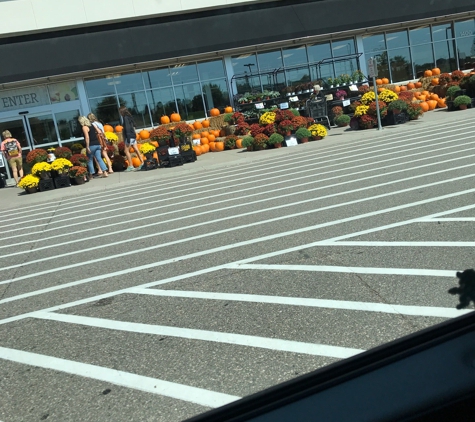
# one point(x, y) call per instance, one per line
point(296, 98)
point(291, 142)
point(173, 151)
point(283, 106)
point(345, 103)
point(196, 142)
point(259, 106)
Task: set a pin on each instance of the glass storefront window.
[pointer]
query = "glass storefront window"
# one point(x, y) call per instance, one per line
point(374, 44)
point(162, 102)
point(43, 130)
point(297, 76)
point(137, 104)
point(445, 56)
point(215, 94)
point(100, 87)
point(17, 129)
point(190, 101)
point(63, 91)
point(269, 60)
point(422, 59)
point(383, 64)
point(400, 61)
point(68, 125)
point(183, 73)
point(294, 56)
point(211, 70)
point(106, 109)
point(245, 63)
point(420, 35)
point(247, 84)
point(157, 78)
point(273, 81)
point(129, 82)
point(442, 32)
point(466, 52)
point(397, 39)
point(317, 52)
point(465, 28)
point(343, 47)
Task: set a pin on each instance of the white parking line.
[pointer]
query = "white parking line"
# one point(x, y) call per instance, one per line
point(204, 335)
point(431, 311)
point(125, 379)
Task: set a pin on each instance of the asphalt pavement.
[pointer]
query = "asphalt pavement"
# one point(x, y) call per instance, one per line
point(157, 295)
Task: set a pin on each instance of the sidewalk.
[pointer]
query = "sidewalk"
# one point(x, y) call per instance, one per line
point(14, 198)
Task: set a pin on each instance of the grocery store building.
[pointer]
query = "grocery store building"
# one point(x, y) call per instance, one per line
point(61, 59)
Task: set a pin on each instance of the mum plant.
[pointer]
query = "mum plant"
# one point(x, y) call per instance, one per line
point(112, 137)
point(247, 141)
point(367, 121)
point(40, 168)
point(361, 110)
point(337, 110)
point(260, 142)
point(285, 126)
point(29, 181)
point(444, 78)
point(303, 133)
point(462, 100)
point(267, 118)
point(285, 114)
point(358, 76)
point(36, 156)
point(242, 128)
point(147, 148)
point(160, 133)
point(452, 91)
point(387, 96)
point(318, 130)
point(383, 109)
point(182, 129)
point(269, 129)
point(275, 138)
point(397, 105)
point(79, 160)
point(76, 148)
point(63, 152)
point(342, 120)
point(255, 129)
point(368, 98)
point(77, 171)
point(457, 75)
point(230, 141)
point(414, 111)
point(61, 164)
point(341, 94)
point(299, 121)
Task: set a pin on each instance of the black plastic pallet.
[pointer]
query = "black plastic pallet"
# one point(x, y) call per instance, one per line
point(46, 184)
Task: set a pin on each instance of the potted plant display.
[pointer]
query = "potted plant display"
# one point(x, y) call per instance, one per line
point(342, 120)
point(260, 142)
point(29, 183)
point(36, 156)
point(318, 131)
point(341, 94)
point(462, 102)
point(285, 127)
point(78, 174)
point(397, 106)
point(61, 166)
point(147, 149)
point(453, 91)
point(358, 76)
point(303, 134)
point(41, 170)
point(275, 140)
point(247, 142)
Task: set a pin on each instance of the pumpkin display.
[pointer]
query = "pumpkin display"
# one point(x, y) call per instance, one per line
point(397, 89)
point(144, 134)
point(119, 129)
point(204, 148)
point(136, 162)
point(197, 149)
point(205, 123)
point(196, 136)
point(239, 143)
point(108, 128)
point(211, 146)
point(441, 103)
point(379, 81)
point(204, 134)
point(411, 85)
point(211, 138)
point(432, 104)
point(403, 88)
point(434, 81)
point(228, 109)
point(385, 81)
point(154, 143)
point(204, 141)
point(433, 97)
point(424, 105)
point(427, 73)
point(418, 84)
point(175, 117)
point(214, 112)
point(435, 71)
point(219, 146)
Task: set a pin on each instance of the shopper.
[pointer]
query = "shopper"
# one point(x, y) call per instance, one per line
point(93, 147)
point(11, 148)
point(93, 119)
point(129, 137)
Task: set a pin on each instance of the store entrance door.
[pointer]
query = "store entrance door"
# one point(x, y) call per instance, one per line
point(32, 130)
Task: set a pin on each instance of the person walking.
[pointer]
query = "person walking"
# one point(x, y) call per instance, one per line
point(130, 139)
point(11, 148)
point(93, 119)
point(93, 147)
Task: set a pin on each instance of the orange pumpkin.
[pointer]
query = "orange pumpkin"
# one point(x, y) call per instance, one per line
point(205, 123)
point(164, 120)
point(441, 103)
point(136, 162)
point(154, 143)
point(418, 84)
point(219, 146)
point(108, 128)
point(434, 97)
point(427, 73)
point(175, 117)
point(228, 109)
point(204, 148)
point(434, 81)
point(397, 89)
point(423, 97)
point(131, 149)
point(204, 134)
point(144, 134)
point(211, 146)
point(432, 104)
point(435, 71)
point(239, 143)
point(197, 149)
point(119, 128)
point(385, 81)
point(379, 81)
point(403, 88)
point(197, 125)
point(211, 138)
point(425, 92)
point(196, 136)
point(214, 112)
point(411, 85)
point(204, 141)
point(380, 89)
point(424, 105)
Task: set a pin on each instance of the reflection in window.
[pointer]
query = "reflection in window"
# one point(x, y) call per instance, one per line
point(162, 103)
point(106, 109)
point(17, 130)
point(244, 63)
point(100, 87)
point(216, 94)
point(420, 35)
point(137, 104)
point(343, 47)
point(466, 52)
point(317, 52)
point(157, 78)
point(445, 56)
point(183, 73)
point(400, 61)
point(374, 44)
point(273, 81)
point(190, 101)
point(68, 125)
point(465, 28)
point(211, 70)
point(269, 60)
point(129, 82)
point(247, 84)
point(294, 56)
point(422, 59)
point(383, 65)
point(397, 39)
point(442, 32)
point(43, 130)
point(297, 76)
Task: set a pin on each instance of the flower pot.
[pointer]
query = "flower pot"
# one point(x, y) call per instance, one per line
point(278, 145)
point(79, 180)
point(463, 107)
point(303, 140)
point(31, 190)
point(317, 138)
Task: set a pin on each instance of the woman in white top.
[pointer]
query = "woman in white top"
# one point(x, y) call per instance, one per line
point(93, 119)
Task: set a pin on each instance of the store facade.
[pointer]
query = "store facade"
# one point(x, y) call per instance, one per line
point(121, 66)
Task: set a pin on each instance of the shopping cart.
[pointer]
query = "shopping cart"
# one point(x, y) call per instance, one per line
point(318, 110)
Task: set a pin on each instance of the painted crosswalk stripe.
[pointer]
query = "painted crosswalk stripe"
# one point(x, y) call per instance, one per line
point(431, 311)
point(125, 379)
point(204, 335)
